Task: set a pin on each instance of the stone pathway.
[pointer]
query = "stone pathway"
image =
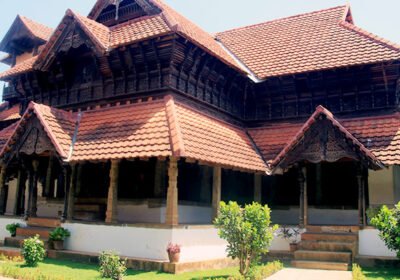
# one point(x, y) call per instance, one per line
point(310, 274)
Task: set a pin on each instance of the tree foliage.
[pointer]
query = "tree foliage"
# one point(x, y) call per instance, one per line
point(33, 251)
point(247, 231)
point(387, 221)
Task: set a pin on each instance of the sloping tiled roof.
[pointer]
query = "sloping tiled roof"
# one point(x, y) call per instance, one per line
point(20, 68)
point(136, 30)
point(6, 133)
point(39, 30)
point(308, 42)
point(380, 135)
point(10, 114)
point(58, 124)
point(157, 128)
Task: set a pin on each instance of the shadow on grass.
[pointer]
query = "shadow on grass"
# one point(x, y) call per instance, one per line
point(211, 277)
point(385, 273)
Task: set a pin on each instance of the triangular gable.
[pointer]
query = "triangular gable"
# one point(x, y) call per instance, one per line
point(23, 27)
point(95, 35)
point(41, 129)
point(323, 138)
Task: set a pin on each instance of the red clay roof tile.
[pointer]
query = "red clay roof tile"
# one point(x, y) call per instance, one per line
point(39, 30)
point(304, 43)
point(10, 114)
point(6, 133)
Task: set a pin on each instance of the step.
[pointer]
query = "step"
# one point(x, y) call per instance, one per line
point(10, 252)
point(333, 229)
point(43, 232)
point(323, 256)
point(17, 242)
point(328, 246)
point(44, 222)
point(323, 236)
point(321, 265)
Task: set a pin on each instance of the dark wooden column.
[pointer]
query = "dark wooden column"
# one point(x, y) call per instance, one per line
point(302, 179)
point(66, 180)
point(49, 178)
point(71, 193)
point(172, 215)
point(257, 188)
point(216, 191)
point(28, 204)
point(318, 183)
point(19, 204)
point(159, 178)
point(112, 199)
point(3, 191)
point(35, 169)
point(361, 198)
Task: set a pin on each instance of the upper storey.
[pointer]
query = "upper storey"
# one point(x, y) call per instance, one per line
point(316, 41)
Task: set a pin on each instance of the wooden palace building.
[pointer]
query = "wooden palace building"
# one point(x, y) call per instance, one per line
point(130, 125)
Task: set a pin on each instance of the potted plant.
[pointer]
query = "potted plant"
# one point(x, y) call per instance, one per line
point(57, 237)
point(12, 228)
point(290, 234)
point(174, 252)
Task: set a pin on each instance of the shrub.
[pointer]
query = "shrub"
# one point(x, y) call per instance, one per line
point(33, 251)
point(357, 273)
point(387, 221)
point(59, 234)
point(247, 231)
point(111, 266)
point(12, 228)
point(264, 271)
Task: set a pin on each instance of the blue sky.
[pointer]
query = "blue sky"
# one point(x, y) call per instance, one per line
point(379, 17)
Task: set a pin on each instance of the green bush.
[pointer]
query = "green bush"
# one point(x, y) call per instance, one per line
point(264, 271)
point(12, 228)
point(111, 266)
point(247, 231)
point(387, 221)
point(59, 234)
point(357, 273)
point(33, 251)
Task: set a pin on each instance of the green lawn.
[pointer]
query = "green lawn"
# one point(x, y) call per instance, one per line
point(65, 270)
point(382, 273)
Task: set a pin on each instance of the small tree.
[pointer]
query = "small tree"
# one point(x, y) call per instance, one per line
point(387, 221)
point(247, 231)
point(33, 251)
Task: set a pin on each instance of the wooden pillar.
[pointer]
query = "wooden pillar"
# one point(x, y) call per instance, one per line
point(112, 200)
point(318, 183)
point(78, 183)
point(257, 188)
point(71, 193)
point(66, 181)
point(360, 186)
point(216, 193)
point(19, 207)
point(49, 178)
point(3, 191)
point(303, 219)
point(172, 216)
point(205, 183)
point(28, 203)
point(35, 168)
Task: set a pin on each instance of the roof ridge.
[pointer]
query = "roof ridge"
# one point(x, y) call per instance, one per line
point(176, 139)
point(281, 19)
point(370, 35)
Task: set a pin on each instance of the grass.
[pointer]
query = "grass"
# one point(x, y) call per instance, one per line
point(382, 273)
point(66, 270)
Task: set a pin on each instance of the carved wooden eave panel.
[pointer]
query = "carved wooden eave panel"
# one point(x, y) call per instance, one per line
point(323, 139)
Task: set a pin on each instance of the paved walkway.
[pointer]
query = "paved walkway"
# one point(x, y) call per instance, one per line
point(310, 274)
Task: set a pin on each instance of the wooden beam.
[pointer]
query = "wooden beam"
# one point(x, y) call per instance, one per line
point(172, 215)
point(112, 199)
point(216, 193)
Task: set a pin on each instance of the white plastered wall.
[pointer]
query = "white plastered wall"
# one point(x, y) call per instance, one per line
point(370, 244)
point(11, 197)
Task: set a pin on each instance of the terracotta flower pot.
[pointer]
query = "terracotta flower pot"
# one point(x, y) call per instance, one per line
point(293, 247)
point(174, 257)
point(58, 245)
